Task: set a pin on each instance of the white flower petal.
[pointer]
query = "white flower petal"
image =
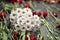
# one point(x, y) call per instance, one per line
point(19, 10)
point(23, 28)
point(29, 27)
point(28, 10)
point(36, 17)
point(17, 27)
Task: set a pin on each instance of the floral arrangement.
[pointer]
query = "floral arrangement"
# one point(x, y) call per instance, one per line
point(23, 20)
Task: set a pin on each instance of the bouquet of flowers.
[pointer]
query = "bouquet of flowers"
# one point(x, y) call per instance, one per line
point(20, 21)
point(23, 19)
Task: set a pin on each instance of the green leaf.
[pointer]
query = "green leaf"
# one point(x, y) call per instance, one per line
point(4, 36)
point(22, 33)
point(28, 35)
point(58, 21)
point(23, 37)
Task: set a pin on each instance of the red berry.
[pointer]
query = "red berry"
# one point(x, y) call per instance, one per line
point(55, 14)
point(38, 13)
point(27, 6)
point(34, 13)
point(58, 26)
point(45, 14)
point(42, 38)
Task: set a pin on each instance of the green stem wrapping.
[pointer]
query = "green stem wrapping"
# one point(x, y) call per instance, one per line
point(4, 36)
point(28, 35)
point(22, 35)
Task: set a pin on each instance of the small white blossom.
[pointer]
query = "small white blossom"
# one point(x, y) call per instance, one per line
point(19, 10)
point(17, 27)
point(19, 16)
point(32, 23)
point(36, 17)
point(29, 27)
point(28, 21)
point(28, 10)
point(13, 17)
point(23, 28)
point(13, 11)
point(21, 21)
point(29, 16)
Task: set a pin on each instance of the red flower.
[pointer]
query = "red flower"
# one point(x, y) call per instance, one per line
point(45, 14)
point(55, 14)
point(2, 14)
point(32, 37)
point(38, 13)
point(15, 35)
point(34, 13)
point(27, 6)
point(58, 26)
